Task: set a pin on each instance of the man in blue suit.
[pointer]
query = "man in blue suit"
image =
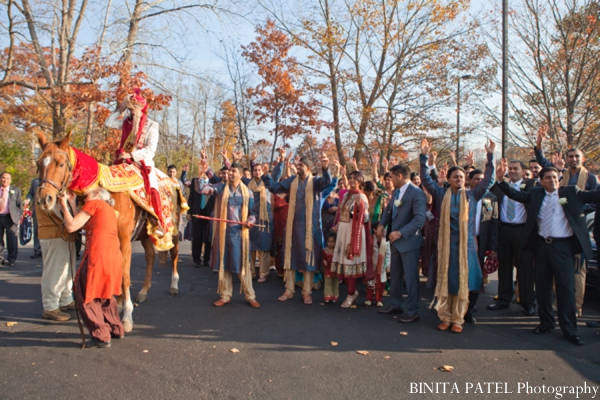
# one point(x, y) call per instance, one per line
point(405, 217)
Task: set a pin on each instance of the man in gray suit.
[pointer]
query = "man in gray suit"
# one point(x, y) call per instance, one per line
point(30, 200)
point(405, 217)
point(11, 210)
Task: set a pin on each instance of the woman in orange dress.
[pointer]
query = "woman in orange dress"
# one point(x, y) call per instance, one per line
point(100, 272)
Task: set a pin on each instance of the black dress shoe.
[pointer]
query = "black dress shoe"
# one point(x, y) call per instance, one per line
point(405, 319)
point(497, 306)
point(470, 318)
point(529, 311)
point(36, 255)
point(593, 324)
point(197, 264)
point(539, 330)
point(390, 310)
point(576, 340)
point(98, 344)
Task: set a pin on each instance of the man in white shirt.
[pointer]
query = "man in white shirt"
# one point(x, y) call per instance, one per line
point(512, 221)
point(556, 231)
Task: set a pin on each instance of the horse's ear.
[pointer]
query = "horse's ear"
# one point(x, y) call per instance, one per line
point(42, 139)
point(66, 140)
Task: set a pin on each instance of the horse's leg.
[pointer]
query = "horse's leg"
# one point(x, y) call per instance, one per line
point(175, 276)
point(149, 252)
point(126, 222)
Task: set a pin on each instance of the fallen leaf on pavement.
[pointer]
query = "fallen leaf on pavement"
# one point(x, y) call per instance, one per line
point(386, 356)
point(145, 351)
point(403, 333)
point(234, 350)
point(362, 352)
point(11, 323)
point(353, 306)
point(334, 343)
point(446, 368)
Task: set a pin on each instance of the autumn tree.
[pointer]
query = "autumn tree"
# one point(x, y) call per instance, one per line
point(554, 73)
point(279, 98)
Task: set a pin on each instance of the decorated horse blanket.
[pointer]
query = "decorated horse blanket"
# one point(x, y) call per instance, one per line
point(127, 178)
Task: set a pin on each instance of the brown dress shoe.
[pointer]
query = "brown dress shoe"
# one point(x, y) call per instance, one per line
point(254, 303)
point(70, 306)
point(443, 326)
point(56, 315)
point(221, 303)
point(456, 328)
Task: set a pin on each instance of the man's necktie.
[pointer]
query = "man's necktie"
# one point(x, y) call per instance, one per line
point(3, 200)
point(545, 214)
point(510, 206)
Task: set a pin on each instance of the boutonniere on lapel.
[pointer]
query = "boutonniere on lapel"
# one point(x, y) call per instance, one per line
point(523, 186)
point(562, 201)
point(487, 203)
point(11, 192)
point(398, 203)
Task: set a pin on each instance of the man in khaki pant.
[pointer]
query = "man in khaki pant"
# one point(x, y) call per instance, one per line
point(58, 255)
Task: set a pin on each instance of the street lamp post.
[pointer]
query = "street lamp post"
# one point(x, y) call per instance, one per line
point(458, 114)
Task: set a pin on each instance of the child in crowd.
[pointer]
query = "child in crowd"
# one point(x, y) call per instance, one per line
point(381, 261)
point(332, 289)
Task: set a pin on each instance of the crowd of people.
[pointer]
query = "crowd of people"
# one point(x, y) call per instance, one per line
point(330, 226)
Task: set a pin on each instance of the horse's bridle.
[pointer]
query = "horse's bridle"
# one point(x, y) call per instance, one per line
point(60, 189)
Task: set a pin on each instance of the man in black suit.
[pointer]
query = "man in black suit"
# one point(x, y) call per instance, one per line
point(512, 221)
point(201, 228)
point(486, 231)
point(11, 211)
point(30, 200)
point(556, 231)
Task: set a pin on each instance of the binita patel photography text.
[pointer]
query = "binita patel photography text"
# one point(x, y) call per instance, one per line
point(558, 391)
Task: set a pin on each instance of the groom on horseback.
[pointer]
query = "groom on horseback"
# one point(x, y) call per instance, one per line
point(139, 138)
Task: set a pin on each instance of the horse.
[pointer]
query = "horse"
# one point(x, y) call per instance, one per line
point(56, 172)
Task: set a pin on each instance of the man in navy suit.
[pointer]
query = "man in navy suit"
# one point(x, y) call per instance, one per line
point(11, 210)
point(405, 217)
point(556, 231)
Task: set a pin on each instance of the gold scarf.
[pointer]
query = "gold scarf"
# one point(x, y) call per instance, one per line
point(263, 216)
point(223, 230)
point(308, 242)
point(441, 289)
point(581, 181)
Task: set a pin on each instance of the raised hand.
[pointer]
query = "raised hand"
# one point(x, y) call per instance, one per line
point(470, 158)
point(335, 169)
point(432, 158)
point(202, 154)
point(490, 147)
point(265, 168)
point(453, 158)
point(376, 160)
point(541, 135)
point(253, 155)
point(425, 147)
point(385, 164)
point(324, 160)
point(501, 170)
point(558, 161)
point(354, 164)
point(224, 155)
point(202, 166)
point(186, 167)
point(281, 151)
point(342, 170)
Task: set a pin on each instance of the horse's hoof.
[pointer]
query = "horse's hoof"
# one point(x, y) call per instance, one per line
point(141, 297)
point(128, 325)
point(174, 291)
